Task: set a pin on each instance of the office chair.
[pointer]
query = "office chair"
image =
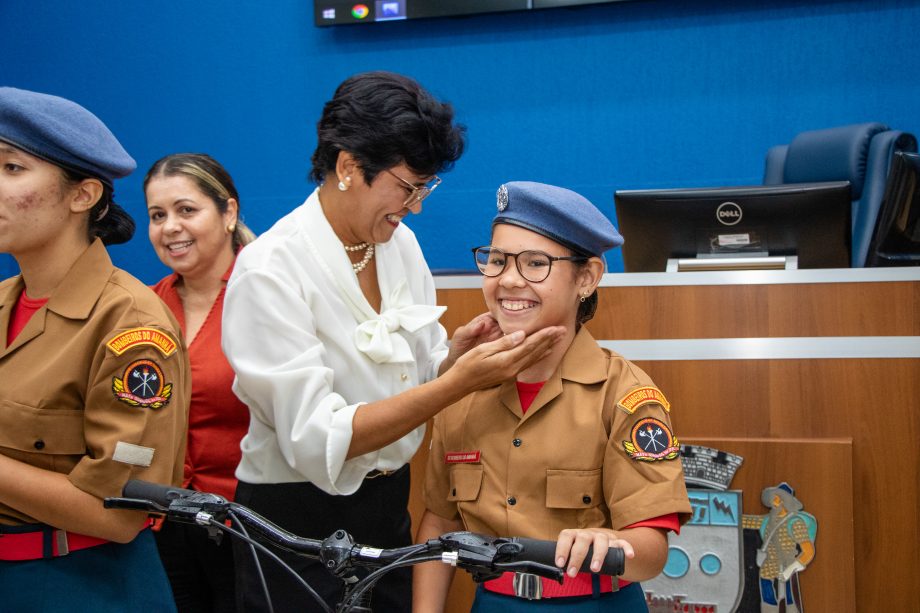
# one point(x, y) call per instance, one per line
point(860, 154)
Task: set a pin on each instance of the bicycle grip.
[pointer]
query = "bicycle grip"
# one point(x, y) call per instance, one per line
point(154, 492)
point(544, 552)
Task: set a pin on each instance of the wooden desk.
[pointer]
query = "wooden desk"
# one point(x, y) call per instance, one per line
point(799, 354)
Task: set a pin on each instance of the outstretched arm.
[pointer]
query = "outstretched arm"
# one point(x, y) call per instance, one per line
point(52, 499)
point(431, 580)
point(378, 424)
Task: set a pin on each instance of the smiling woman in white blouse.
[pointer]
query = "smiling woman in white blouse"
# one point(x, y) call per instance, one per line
point(331, 326)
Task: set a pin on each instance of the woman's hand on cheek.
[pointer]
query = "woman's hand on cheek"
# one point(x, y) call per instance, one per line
point(481, 329)
point(494, 362)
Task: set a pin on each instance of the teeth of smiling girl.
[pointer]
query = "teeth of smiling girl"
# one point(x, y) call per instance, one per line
point(518, 305)
point(177, 246)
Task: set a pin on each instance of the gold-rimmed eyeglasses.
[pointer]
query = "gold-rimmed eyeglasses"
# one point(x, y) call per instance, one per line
point(532, 265)
point(419, 192)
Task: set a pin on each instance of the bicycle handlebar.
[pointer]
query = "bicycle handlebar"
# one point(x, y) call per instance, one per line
point(544, 552)
point(484, 557)
point(154, 492)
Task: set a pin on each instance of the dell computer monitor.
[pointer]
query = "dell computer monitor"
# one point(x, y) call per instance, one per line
point(709, 226)
point(896, 241)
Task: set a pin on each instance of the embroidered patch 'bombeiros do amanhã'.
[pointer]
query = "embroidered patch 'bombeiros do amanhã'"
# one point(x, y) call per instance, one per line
point(136, 337)
point(642, 396)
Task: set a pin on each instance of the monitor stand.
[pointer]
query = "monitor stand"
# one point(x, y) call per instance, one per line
point(755, 262)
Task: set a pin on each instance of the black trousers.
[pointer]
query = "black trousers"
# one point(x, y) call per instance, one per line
point(375, 515)
point(200, 571)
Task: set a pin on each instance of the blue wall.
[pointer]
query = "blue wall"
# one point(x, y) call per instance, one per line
point(651, 93)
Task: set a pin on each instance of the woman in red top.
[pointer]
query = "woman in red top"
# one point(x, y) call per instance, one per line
point(194, 227)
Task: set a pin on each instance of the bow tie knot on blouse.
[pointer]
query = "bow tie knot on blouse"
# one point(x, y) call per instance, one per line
point(379, 336)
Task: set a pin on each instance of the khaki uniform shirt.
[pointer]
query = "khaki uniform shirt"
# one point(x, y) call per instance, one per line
point(96, 386)
point(595, 449)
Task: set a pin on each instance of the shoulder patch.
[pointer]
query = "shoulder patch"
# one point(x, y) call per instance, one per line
point(651, 440)
point(137, 337)
point(142, 385)
point(642, 396)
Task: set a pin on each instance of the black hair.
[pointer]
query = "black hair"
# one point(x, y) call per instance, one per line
point(212, 179)
point(587, 309)
point(107, 221)
point(383, 119)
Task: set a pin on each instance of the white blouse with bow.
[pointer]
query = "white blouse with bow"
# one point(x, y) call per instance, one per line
point(308, 349)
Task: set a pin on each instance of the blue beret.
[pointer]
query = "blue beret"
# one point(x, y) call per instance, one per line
point(63, 133)
point(558, 214)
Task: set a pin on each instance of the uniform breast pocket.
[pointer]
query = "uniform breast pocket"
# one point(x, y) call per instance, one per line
point(578, 494)
point(48, 438)
point(465, 482)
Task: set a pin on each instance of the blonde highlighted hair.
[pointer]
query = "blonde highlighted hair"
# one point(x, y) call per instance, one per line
point(212, 179)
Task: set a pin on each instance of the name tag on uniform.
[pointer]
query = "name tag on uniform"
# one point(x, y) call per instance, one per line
point(462, 457)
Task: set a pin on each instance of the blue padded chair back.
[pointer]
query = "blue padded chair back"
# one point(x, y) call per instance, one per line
point(776, 157)
point(860, 154)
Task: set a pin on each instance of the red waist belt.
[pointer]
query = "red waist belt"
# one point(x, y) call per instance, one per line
point(580, 585)
point(35, 542)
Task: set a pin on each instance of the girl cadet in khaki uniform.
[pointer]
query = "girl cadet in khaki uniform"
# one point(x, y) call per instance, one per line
point(578, 448)
point(94, 381)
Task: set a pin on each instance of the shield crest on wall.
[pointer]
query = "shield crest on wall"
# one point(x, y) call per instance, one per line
point(705, 567)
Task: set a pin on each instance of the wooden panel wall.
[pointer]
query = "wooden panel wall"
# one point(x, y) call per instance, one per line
point(730, 311)
point(874, 402)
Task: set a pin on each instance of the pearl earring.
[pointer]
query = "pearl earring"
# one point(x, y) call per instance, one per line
point(344, 186)
point(231, 228)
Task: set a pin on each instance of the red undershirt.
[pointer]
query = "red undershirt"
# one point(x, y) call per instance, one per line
point(23, 311)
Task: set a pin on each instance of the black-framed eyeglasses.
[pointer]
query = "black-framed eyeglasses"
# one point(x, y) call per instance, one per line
point(531, 264)
point(419, 192)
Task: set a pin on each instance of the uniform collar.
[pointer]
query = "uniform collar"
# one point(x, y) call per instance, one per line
point(10, 289)
point(584, 362)
point(78, 293)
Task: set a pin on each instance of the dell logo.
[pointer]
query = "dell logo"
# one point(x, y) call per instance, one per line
point(728, 213)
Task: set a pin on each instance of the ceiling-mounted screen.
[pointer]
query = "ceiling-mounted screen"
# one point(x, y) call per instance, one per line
point(337, 12)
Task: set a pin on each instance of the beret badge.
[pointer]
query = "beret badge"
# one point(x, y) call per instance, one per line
point(502, 197)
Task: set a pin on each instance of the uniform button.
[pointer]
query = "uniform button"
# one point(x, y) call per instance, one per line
point(39, 444)
point(404, 377)
point(586, 499)
point(516, 442)
point(512, 500)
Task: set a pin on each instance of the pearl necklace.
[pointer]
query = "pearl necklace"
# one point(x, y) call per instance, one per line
point(368, 254)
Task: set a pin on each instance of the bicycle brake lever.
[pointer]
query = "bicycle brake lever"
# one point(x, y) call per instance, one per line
point(534, 568)
point(184, 509)
point(134, 504)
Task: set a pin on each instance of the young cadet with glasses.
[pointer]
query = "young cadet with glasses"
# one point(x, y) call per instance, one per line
point(578, 447)
point(94, 378)
point(331, 328)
